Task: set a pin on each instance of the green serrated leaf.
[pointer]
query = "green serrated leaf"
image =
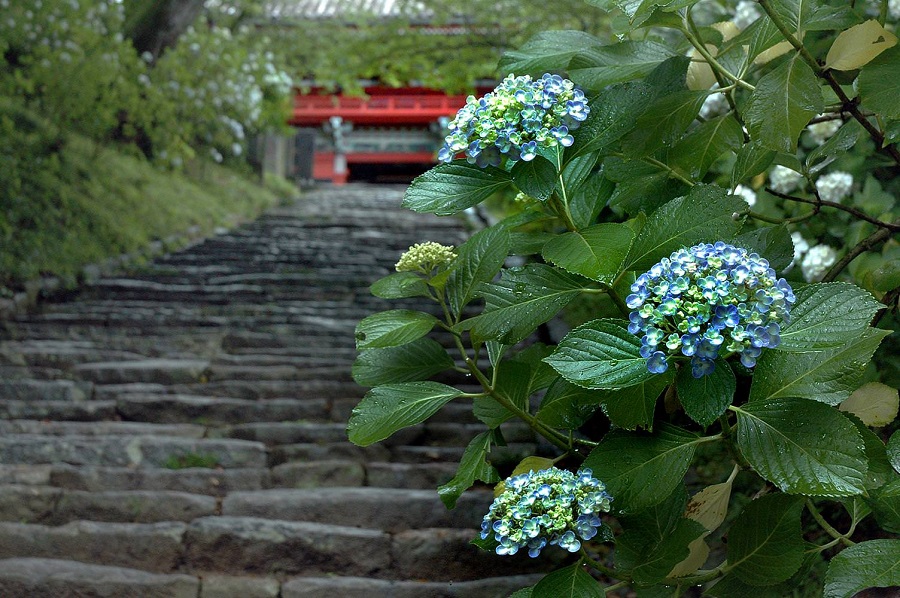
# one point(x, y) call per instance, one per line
point(829, 375)
point(845, 138)
point(879, 470)
point(803, 447)
point(771, 242)
point(878, 84)
point(536, 177)
point(523, 299)
point(641, 470)
point(596, 252)
point(870, 564)
point(574, 174)
point(386, 409)
point(765, 545)
point(473, 466)
point(392, 328)
point(705, 144)
point(451, 188)
point(540, 375)
point(612, 115)
point(705, 399)
point(704, 214)
point(568, 406)
point(600, 354)
point(633, 407)
point(417, 360)
point(513, 382)
point(569, 582)
point(893, 450)
point(663, 122)
point(399, 285)
point(826, 315)
point(591, 197)
point(597, 67)
point(640, 186)
point(546, 51)
point(885, 504)
point(783, 103)
point(478, 260)
point(752, 159)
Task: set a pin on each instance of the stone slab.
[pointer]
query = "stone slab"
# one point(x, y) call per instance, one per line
point(359, 587)
point(194, 480)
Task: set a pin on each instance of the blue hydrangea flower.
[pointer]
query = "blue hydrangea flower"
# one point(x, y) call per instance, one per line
point(552, 506)
point(516, 120)
point(706, 299)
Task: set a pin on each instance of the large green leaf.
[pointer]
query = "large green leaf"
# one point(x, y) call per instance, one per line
point(596, 252)
point(846, 137)
point(386, 409)
point(478, 260)
point(539, 374)
point(400, 285)
point(656, 539)
point(612, 115)
point(704, 399)
point(829, 375)
point(569, 582)
point(879, 470)
point(574, 174)
point(765, 545)
point(663, 122)
point(878, 84)
point(803, 447)
point(782, 104)
point(871, 564)
point(893, 450)
point(641, 470)
point(752, 159)
point(633, 407)
point(827, 314)
point(771, 242)
point(640, 186)
point(706, 143)
point(523, 299)
point(885, 504)
point(600, 354)
point(473, 466)
point(547, 51)
point(450, 188)
point(566, 405)
point(513, 381)
point(597, 67)
point(590, 198)
point(706, 213)
point(536, 178)
point(413, 361)
point(392, 328)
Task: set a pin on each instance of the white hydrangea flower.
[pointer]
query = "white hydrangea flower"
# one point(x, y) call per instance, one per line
point(834, 186)
point(746, 13)
point(784, 180)
point(894, 9)
point(747, 193)
point(822, 131)
point(817, 262)
point(714, 105)
point(801, 246)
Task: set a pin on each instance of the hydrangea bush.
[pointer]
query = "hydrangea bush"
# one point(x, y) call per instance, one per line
point(737, 378)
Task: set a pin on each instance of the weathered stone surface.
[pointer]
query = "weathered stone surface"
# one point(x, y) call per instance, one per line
point(195, 480)
point(217, 410)
point(272, 433)
point(122, 451)
point(265, 546)
point(106, 428)
point(375, 508)
point(44, 390)
point(358, 587)
point(226, 586)
point(29, 475)
point(28, 504)
point(150, 546)
point(58, 410)
point(159, 371)
point(319, 474)
point(423, 476)
point(305, 452)
point(448, 554)
point(139, 506)
point(53, 578)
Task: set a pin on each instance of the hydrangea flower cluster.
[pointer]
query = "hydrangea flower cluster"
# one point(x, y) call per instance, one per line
point(784, 180)
point(699, 300)
point(834, 186)
point(552, 506)
point(821, 132)
point(425, 257)
point(515, 120)
point(817, 261)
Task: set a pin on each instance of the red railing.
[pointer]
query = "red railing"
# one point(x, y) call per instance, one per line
point(401, 108)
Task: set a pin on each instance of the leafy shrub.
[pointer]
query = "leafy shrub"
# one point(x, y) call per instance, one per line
point(730, 202)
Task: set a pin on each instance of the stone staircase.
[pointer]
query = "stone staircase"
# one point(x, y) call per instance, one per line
point(180, 431)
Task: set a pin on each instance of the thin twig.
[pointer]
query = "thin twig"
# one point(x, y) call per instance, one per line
point(893, 227)
point(869, 242)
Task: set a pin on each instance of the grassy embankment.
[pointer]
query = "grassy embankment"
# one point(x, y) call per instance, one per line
point(66, 202)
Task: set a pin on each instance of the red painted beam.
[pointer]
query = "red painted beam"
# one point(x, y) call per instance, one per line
point(388, 109)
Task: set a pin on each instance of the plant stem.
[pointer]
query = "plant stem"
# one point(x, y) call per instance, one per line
point(564, 201)
point(672, 172)
point(894, 227)
point(615, 586)
point(773, 220)
point(827, 526)
point(823, 73)
point(689, 30)
point(617, 300)
point(869, 242)
point(607, 571)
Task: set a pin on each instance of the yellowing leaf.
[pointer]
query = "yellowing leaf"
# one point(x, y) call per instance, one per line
point(698, 555)
point(874, 403)
point(858, 45)
point(773, 53)
point(699, 74)
point(525, 465)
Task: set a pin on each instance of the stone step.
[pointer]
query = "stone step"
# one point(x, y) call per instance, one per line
point(57, 578)
point(123, 451)
point(88, 411)
point(309, 452)
point(155, 547)
point(45, 390)
point(158, 371)
point(56, 506)
point(361, 587)
point(215, 411)
point(373, 508)
point(348, 473)
point(192, 480)
point(101, 428)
